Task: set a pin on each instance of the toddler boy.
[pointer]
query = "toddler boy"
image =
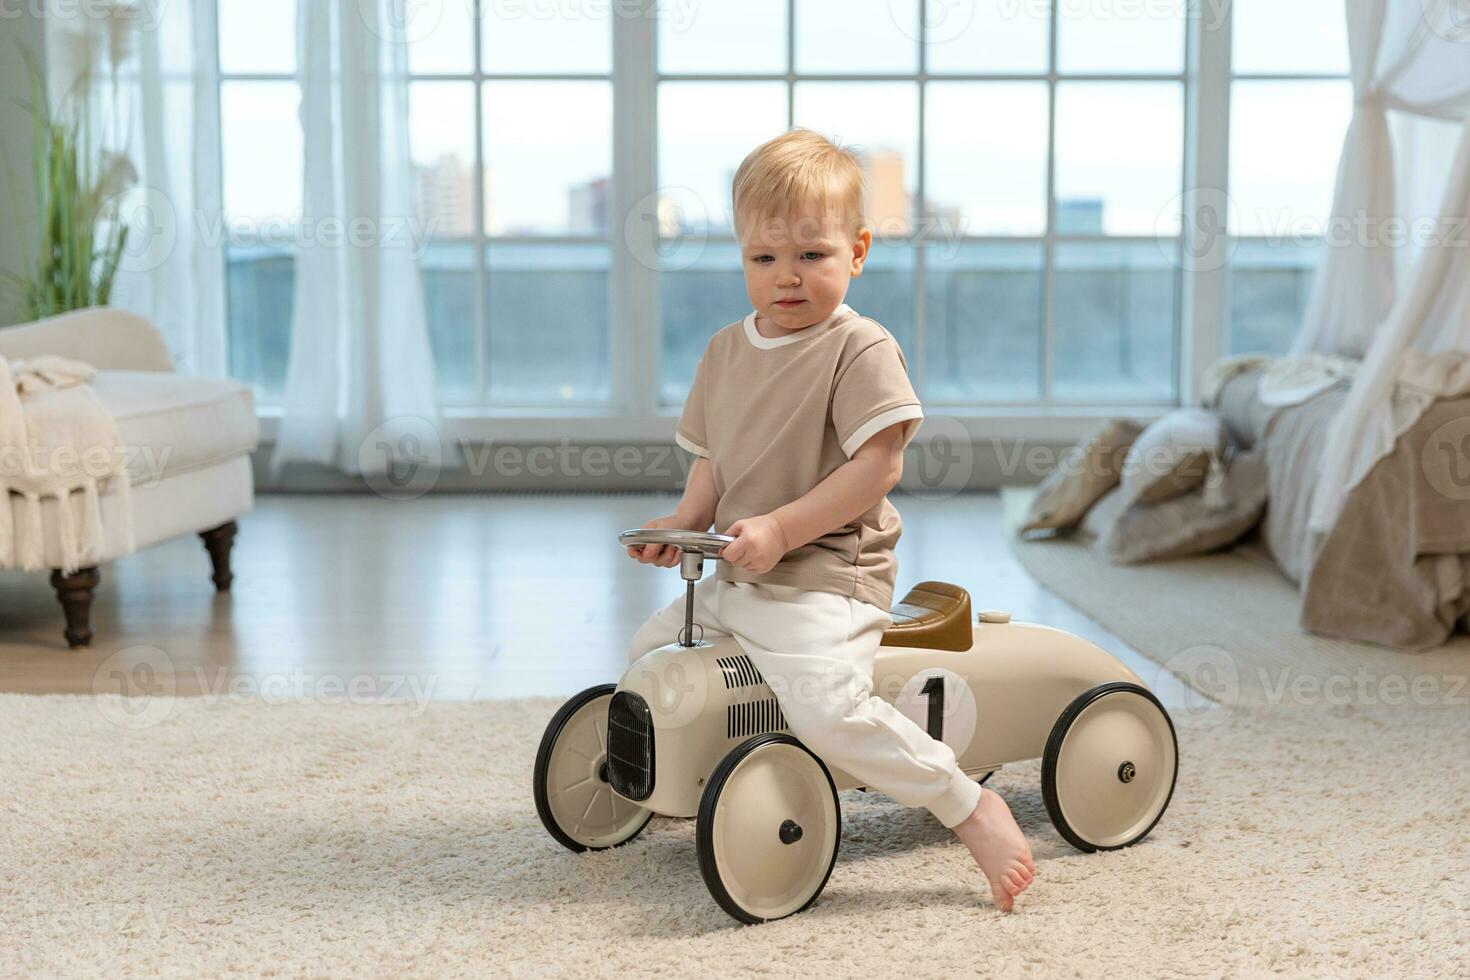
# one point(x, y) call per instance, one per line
point(798, 417)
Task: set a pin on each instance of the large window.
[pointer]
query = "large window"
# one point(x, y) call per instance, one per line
point(510, 132)
point(1024, 161)
point(1018, 161)
point(1290, 102)
point(510, 119)
point(261, 160)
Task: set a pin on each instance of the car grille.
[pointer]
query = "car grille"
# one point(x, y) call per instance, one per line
point(738, 671)
point(630, 746)
point(753, 718)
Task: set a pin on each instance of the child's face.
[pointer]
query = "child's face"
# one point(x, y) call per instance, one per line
point(798, 267)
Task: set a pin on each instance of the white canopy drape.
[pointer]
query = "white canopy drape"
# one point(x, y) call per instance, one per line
point(360, 389)
point(1413, 56)
point(1410, 55)
point(1418, 355)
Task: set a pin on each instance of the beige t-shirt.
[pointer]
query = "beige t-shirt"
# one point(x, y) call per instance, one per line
point(775, 417)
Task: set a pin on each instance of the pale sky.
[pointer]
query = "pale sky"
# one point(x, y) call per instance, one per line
point(986, 152)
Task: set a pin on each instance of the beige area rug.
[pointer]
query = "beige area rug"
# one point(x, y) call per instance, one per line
point(202, 837)
point(1226, 625)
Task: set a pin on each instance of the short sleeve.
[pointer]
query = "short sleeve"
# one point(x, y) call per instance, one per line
point(872, 394)
point(689, 434)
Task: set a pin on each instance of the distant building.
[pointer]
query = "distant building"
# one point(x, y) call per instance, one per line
point(487, 194)
point(1080, 216)
point(671, 222)
point(684, 213)
point(946, 220)
point(587, 207)
point(444, 195)
point(889, 211)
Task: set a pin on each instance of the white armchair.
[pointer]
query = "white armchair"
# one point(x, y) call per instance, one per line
point(189, 441)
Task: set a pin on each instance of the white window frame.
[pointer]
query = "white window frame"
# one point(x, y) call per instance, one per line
point(480, 240)
point(1231, 77)
point(633, 413)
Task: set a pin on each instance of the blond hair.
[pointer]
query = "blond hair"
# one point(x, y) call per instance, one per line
point(798, 167)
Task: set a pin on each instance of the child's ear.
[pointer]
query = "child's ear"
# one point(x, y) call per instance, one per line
point(860, 249)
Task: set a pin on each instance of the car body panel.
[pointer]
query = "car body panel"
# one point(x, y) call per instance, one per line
point(1001, 698)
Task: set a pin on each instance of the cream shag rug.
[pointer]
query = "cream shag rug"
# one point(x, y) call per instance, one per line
point(199, 837)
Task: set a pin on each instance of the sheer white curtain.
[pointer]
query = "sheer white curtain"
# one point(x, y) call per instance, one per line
point(360, 389)
point(1423, 153)
point(1409, 55)
point(1421, 351)
point(160, 109)
point(1420, 354)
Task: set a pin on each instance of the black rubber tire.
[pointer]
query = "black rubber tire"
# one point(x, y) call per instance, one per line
point(543, 763)
point(703, 834)
point(1054, 747)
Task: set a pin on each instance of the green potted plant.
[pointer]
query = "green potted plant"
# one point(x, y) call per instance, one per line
point(77, 181)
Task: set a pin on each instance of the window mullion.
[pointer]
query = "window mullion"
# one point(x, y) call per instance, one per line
point(634, 212)
point(790, 63)
point(1205, 244)
point(1049, 241)
point(482, 284)
point(919, 212)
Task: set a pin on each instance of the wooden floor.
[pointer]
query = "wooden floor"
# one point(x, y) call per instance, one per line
point(448, 596)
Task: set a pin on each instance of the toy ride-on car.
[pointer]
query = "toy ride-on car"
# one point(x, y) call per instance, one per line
point(692, 730)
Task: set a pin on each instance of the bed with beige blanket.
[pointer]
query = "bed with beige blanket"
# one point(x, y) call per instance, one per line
point(1395, 567)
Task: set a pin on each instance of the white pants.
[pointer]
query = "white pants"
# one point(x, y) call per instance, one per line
point(816, 651)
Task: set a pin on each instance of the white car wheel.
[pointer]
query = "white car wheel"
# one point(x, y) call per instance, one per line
point(1109, 768)
point(768, 829)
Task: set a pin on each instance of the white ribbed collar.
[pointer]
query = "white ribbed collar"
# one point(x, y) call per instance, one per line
point(766, 343)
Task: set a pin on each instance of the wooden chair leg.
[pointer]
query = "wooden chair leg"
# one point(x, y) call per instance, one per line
point(218, 541)
point(75, 592)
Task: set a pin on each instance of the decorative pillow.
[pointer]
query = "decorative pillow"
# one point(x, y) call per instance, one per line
point(1083, 474)
point(1173, 456)
point(1102, 515)
point(1189, 524)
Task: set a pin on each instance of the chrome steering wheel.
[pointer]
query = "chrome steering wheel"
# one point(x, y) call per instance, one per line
point(694, 547)
point(689, 542)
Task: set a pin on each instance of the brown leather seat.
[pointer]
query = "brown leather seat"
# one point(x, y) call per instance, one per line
point(935, 615)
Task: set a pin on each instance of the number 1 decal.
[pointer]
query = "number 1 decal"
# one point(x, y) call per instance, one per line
point(940, 701)
point(933, 689)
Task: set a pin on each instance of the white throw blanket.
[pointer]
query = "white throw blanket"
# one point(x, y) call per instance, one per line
point(1288, 379)
point(56, 441)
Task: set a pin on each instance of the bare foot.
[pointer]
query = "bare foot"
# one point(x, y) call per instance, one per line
point(998, 847)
